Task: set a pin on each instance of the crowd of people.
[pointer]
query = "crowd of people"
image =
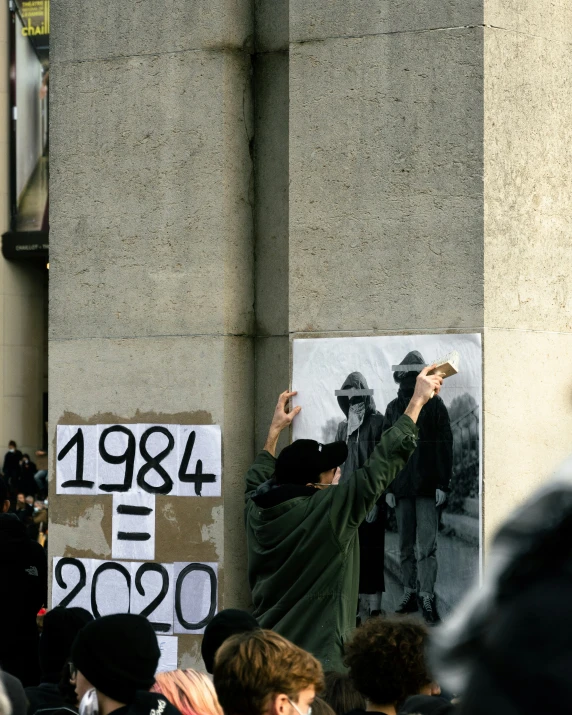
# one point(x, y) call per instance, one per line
point(505, 651)
point(28, 491)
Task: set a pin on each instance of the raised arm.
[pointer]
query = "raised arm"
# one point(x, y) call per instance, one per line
point(264, 464)
point(352, 500)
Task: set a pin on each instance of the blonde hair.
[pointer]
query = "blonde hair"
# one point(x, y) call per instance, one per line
point(192, 693)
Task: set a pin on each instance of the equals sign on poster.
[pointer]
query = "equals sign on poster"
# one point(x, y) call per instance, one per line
point(133, 527)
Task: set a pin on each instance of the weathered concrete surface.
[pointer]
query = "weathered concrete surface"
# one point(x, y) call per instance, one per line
point(527, 415)
point(155, 221)
point(103, 30)
point(528, 164)
point(551, 20)
point(271, 25)
point(386, 197)
point(322, 19)
point(528, 338)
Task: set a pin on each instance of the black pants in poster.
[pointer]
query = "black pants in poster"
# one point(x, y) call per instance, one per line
point(371, 552)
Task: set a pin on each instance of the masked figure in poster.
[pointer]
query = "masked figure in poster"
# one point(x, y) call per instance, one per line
point(419, 491)
point(361, 431)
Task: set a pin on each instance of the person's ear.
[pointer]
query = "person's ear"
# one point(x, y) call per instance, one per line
point(280, 705)
point(435, 688)
point(5, 506)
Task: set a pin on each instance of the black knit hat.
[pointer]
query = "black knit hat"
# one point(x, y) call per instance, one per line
point(61, 626)
point(304, 460)
point(118, 655)
point(225, 624)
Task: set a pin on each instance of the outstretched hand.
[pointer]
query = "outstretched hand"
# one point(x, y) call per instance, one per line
point(426, 386)
point(283, 416)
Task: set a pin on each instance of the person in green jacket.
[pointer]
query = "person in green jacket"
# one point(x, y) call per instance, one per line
point(302, 531)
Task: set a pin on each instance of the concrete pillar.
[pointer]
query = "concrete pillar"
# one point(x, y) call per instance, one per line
point(429, 156)
point(151, 292)
point(527, 258)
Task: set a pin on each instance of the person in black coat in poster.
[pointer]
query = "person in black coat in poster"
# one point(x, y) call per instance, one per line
point(419, 491)
point(361, 431)
point(23, 591)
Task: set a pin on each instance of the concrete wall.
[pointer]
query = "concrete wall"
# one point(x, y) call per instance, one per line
point(151, 287)
point(528, 303)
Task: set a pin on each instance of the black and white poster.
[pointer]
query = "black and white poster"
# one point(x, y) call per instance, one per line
point(420, 545)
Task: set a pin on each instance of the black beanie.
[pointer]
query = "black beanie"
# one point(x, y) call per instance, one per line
point(118, 655)
point(225, 624)
point(61, 626)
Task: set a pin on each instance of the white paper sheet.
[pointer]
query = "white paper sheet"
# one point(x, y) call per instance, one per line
point(133, 534)
point(72, 470)
point(111, 587)
point(67, 575)
point(168, 646)
point(159, 438)
point(155, 580)
point(196, 595)
point(206, 449)
point(120, 442)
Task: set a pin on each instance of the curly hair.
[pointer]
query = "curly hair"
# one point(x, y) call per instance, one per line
point(386, 659)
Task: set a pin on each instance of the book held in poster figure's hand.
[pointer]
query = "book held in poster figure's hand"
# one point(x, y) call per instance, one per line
point(445, 366)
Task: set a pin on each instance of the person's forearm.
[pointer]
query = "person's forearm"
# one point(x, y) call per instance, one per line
point(272, 441)
point(413, 409)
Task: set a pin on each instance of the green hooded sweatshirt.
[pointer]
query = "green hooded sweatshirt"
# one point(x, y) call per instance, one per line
point(303, 550)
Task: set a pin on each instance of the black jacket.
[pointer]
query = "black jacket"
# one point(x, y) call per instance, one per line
point(46, 696)
point(148, 704)
point(24, 586)
point(11, 467)
point(430, 466)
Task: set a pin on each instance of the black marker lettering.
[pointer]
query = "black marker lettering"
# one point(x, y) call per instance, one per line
point(132, 536)
point(198, 477)
point(148, 610)
point(79, 481)
point(134, 510)
point(155, 462)
point(82, 580)
point(178, 592)
point(128, 457)
point(108, 566)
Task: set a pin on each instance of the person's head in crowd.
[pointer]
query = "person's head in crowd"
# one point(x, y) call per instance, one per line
point(38, 505)
point(387, 662)
point(60, 628)
point(321, 707)
point(190, 692)
point(341, 695)
point(12, 446)
point(15, 692)
point(307, 462)
point(427, 705)
point(4, 500)
point(262, 673)
point(25, 458)
point(226, 623)
point(20, 501)
point(5, 705)
point(507, 649)
point(30, 500)
point(115, 658)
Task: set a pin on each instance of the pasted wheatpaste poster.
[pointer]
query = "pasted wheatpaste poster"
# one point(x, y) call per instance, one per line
point(420, 545)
